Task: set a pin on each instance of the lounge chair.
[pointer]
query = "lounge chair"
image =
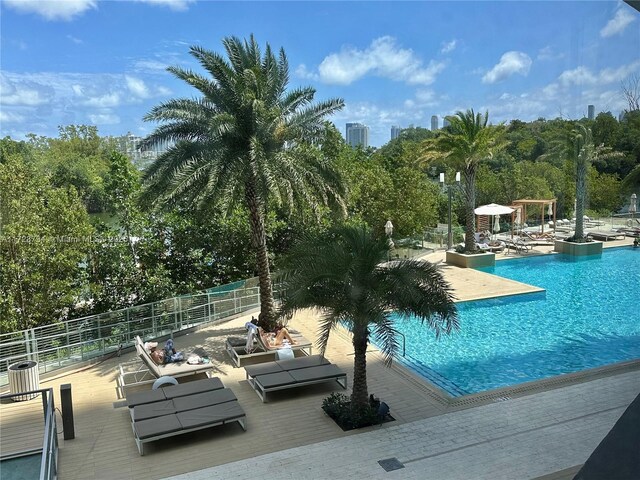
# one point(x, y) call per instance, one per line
point(518, 245)
point(491, 246)
point(146, 371)
point(298, 372)
point(606, 236)
point(238, 352)
point(165, 412)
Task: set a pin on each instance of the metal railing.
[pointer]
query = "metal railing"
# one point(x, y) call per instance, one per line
point(49, 459)
point(65, 343)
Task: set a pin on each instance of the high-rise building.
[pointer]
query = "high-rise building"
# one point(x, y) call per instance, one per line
point(445, 122)
point(357, 134)
point(434, 123)
point(592, 112)
point(395, 132)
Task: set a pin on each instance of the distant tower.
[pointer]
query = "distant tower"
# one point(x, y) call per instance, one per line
point(592, 112)
point(357, 134)
point(395, 132)
point(434, 123)
point(445, 122)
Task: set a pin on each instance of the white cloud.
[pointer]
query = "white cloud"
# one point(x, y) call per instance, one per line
point(104, 119)
point(137, 87)
point(52, 9)
point(103, 101)
point(547, 53)
point(577, 76)
point(448, 47)
point(510, 63)
point(303, 72)
point(176, 5)
point(10, 117)
point(583, 76)
point(620, 21)
point(382, 58)
point(75, 40)
point(152, 66)
point(23, 93)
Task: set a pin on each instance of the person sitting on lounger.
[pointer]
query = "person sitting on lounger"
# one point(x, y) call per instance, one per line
point(276, 340)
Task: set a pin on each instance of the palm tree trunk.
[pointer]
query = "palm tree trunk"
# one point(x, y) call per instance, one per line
point(470, 199)
point(581, 193)
point(359, 394)
point(259, 242)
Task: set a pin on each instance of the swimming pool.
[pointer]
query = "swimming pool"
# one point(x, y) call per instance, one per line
point(589, 316)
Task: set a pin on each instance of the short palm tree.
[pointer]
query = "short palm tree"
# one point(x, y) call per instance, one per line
point(344, 274)
point(465, 143)
point(242, 141)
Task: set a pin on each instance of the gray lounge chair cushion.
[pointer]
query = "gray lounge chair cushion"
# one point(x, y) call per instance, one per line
point(189, 388)
point(157, 426)
point(316, 373)
point(263, 369)
point(151, 410)
point(275, 379)
point(223, 412)
point(302, 362)
point(205, 399)
point(147, 396)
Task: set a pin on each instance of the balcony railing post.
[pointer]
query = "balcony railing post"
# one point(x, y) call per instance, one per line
point(154, 326)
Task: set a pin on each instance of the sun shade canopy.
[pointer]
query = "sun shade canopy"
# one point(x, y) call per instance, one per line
point(493, 209)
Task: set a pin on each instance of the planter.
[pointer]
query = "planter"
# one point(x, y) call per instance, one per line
point(471, 261)
point(578, 249)
point(338, 408)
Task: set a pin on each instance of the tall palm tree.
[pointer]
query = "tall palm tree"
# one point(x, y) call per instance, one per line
point(243, 141)
point(345, 276)
point(584, 153)
point(465, 143)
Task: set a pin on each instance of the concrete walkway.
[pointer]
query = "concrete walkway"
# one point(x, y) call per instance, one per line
point(515, 439)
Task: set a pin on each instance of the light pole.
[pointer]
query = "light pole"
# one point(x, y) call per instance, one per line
point(388, 229)
point(449, 192)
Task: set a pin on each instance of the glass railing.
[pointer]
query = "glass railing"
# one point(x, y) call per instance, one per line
point(65, 343)
point(24, 463)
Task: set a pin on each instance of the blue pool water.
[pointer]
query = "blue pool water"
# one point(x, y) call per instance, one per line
point(588, 316)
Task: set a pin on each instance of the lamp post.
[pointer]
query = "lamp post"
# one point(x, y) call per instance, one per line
point(450, 194)
point(388, 229)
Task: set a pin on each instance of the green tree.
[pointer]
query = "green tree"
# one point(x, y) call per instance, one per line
point(236, 143)
point(44, 233)
point(343, 274)
point(467, 142)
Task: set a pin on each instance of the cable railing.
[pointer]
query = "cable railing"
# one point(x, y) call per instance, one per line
point(65, 343)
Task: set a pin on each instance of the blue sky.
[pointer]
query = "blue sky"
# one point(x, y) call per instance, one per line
point(394, 63)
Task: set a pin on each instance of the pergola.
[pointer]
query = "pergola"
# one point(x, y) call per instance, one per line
point(541, 203)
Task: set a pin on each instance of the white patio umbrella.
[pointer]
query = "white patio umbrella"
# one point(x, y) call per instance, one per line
point(493, 209)
point(550, 211)
point(496, 224)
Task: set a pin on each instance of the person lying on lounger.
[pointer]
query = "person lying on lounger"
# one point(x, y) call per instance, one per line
point(168, 355)
point(275, 340)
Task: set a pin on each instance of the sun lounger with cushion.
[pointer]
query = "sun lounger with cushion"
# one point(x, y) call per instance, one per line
point(182, 409)
point(238, 353)
point(298, 372)
point(606, 236)
point(146, 371)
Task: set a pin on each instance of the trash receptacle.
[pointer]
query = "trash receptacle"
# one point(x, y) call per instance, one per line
point(24, 377)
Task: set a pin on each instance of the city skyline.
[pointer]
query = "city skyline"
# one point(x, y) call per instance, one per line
point(518, 60)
